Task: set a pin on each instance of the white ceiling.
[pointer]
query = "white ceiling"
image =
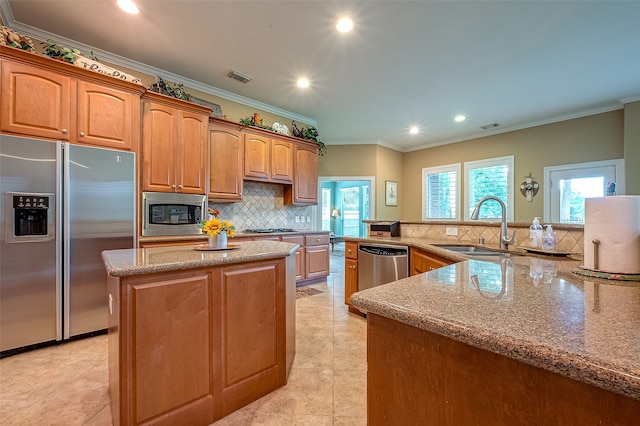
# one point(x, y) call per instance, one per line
point(517, 63)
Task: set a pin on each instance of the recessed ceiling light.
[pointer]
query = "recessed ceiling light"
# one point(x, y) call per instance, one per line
point(460, 118)
point(414, 130)
point(128, 6)
point(303, 83)
point(344, 25)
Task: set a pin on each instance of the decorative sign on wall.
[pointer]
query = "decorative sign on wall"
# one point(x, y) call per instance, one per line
point(90, 64)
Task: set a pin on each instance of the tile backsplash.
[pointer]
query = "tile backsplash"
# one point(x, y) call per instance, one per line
point(263, 207)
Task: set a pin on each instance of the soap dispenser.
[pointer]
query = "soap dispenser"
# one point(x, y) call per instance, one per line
point(535, 234)
point(549, 239)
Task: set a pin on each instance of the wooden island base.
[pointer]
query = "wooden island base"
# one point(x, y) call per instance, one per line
point(189, 347)
point(420, 378)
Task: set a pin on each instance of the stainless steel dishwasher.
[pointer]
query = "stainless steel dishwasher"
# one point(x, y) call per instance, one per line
point(381, 263)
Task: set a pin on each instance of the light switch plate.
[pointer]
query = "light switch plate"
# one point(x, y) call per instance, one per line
point(451, 231)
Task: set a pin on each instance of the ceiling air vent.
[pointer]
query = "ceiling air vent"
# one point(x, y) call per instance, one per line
point(490, 126)
point(236, 75)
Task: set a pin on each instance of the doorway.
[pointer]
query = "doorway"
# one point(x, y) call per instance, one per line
point(345, 202)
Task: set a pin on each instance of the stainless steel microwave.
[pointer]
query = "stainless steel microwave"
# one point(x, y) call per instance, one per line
point(172, 214)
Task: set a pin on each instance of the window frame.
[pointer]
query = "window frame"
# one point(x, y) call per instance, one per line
point(509, 161)
point(575, 171)
point(426, 171)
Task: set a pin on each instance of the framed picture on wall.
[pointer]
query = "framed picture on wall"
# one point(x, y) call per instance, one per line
point(391, 193)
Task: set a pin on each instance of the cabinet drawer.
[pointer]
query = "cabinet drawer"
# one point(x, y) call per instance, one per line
point(294, 239)
point(351, 250)
point(316, 240)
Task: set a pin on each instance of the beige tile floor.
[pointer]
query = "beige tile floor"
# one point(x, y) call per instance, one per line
point(68, 384)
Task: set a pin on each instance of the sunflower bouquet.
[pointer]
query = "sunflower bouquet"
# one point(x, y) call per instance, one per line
point(215, 225)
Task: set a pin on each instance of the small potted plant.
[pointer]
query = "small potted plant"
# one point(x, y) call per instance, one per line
point(217, 229)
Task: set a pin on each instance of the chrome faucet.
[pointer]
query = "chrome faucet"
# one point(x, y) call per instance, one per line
point(504, 231)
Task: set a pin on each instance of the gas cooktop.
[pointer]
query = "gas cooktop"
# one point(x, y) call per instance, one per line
point(268, 230)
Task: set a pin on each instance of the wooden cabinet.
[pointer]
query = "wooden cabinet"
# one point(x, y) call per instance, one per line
point(51, 104)
point(304, 190)
point(251, 331)
point(190, 347)
point(300, 254)
point(267, 159)
point(174, 379)
point(350, 272)
point(316, 256)
point(173, 145)
point(420, 261)
point(226, 153)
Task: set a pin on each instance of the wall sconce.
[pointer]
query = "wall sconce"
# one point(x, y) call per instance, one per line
point(335, 213)
point(529, 188)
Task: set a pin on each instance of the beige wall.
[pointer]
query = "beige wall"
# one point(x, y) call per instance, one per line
point(367, 160)
point(632, 148)
point(593, 138)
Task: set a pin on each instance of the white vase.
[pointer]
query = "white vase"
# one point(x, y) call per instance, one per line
point(219, 241)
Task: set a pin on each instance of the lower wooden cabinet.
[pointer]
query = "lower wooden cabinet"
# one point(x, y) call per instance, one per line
point(316, 256)
point(190, 347)
point(420, 261)
point(300, 254)
point(350, 273)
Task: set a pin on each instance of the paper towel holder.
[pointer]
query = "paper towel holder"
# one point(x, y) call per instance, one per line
point(529, 188)
point(596, 246)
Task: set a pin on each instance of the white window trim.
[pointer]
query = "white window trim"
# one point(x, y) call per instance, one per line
point(440, 169)
point(585, 168)
point(489, 162)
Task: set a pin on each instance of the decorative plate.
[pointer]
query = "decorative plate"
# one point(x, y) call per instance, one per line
point(280, 128)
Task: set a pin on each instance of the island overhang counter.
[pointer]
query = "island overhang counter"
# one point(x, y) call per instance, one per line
point(194, 334)
point(503, 348)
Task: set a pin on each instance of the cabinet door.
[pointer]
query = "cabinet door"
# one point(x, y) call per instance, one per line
point(35, 102)
point(317, 261)
point(351, 250)
point(106, 117)
point(257, 152)
point(422, 262)
point(159, 137)
point(174, 379)
point(250, 331)
point(191, 159)
point(300, 253)
point(225, 164)
point(350, 279)
point(304, 190)
point(281, 161)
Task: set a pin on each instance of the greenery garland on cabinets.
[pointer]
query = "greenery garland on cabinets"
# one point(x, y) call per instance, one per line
point(308, 133)
point(174, 90)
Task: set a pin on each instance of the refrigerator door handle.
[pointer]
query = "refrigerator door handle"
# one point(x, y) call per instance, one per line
point(66, 241)
point(59, 242)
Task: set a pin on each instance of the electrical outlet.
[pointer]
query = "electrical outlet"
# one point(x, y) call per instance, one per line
point(451, 231)
point(308, 219)
point(297, 219)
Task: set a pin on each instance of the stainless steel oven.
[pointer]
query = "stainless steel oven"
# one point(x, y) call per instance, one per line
point(172, 214)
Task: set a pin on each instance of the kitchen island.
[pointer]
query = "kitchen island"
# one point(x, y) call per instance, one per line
point(196, 334)
point(517, 340)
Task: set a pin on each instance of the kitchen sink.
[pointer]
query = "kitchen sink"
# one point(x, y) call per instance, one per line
point(471, 250)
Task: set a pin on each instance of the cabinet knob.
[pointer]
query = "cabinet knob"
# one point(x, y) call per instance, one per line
point(81, 134)
point(64, 131)
point(180, 186)
point(349, 251)
point(318, 240)
point(173, 186)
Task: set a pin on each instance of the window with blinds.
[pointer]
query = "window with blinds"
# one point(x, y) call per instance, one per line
point(489, 177)
point(441, 189)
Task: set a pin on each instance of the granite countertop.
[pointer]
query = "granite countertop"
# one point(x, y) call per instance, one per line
point(129, 262)
point(530, 308)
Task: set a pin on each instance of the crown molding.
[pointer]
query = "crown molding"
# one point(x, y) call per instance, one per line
point(7, 17)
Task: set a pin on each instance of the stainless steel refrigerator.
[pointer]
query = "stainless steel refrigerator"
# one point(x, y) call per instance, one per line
point(61, 205)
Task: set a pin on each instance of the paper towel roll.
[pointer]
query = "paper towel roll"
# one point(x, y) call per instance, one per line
point(615, 222)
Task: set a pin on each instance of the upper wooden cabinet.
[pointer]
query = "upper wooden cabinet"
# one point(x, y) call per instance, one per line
point(304, 190)
point(226, 149)
point(48, 99)
point(173, 145)
point(267, 159)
